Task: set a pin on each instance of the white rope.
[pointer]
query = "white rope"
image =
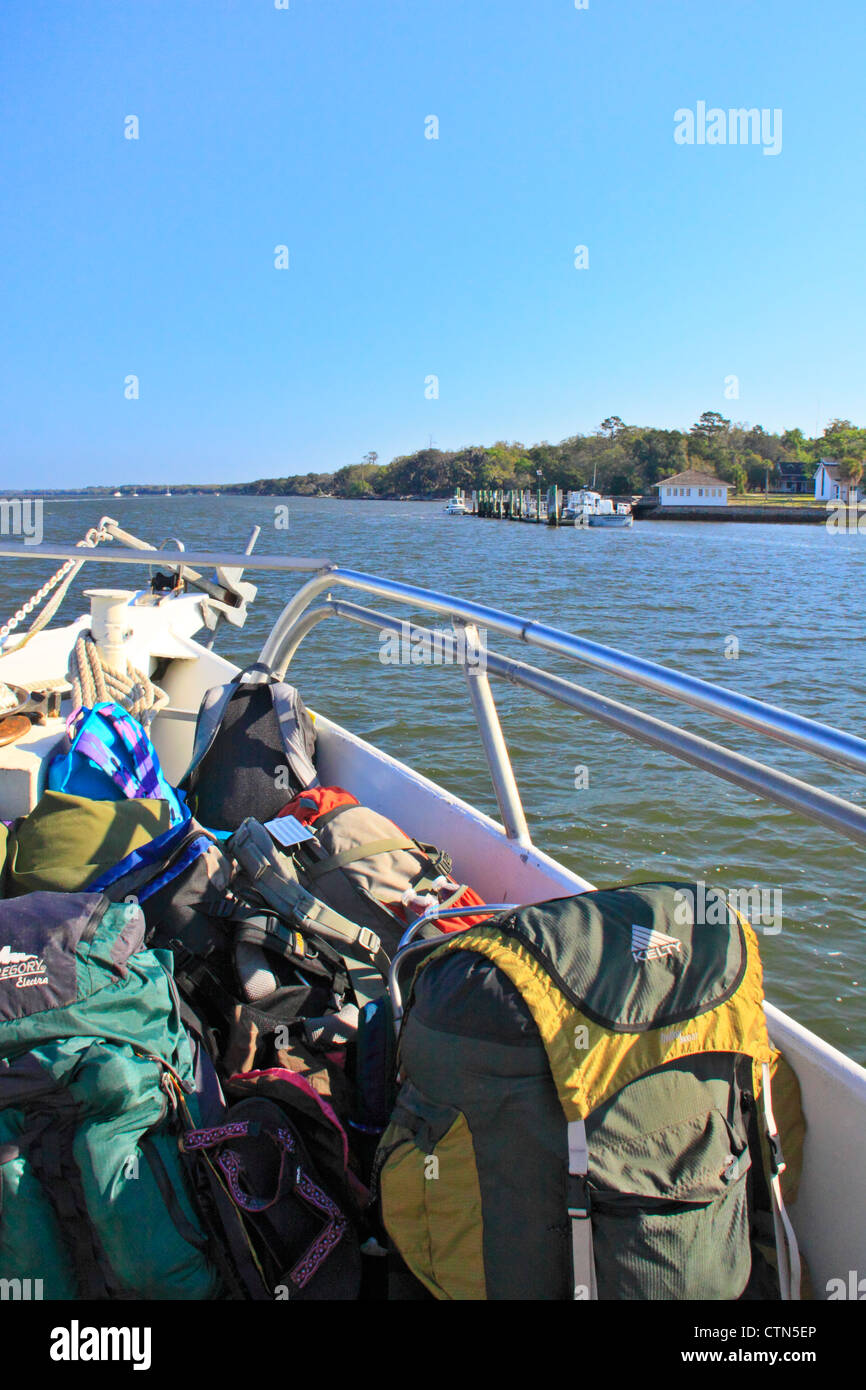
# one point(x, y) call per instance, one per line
point(93, 681)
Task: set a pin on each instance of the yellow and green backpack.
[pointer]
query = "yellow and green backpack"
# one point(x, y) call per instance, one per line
point(584, 1108)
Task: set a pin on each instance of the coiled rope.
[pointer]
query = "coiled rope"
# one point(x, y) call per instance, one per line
point(93, 681)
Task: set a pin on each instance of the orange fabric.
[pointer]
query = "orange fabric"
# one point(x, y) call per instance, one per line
point(317, 801)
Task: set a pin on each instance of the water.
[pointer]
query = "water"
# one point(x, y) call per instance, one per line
point(674, 592)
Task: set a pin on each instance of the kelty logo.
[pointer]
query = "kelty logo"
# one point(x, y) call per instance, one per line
point(647, 944)
point(24, 969)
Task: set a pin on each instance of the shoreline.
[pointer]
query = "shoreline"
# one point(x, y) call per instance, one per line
point(746, 514)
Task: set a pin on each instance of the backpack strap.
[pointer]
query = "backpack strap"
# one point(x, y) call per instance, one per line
point(49, 1140)
point(583, 1258)
point(272, 876)
point(291, 1178)
point(787, 1249)
point(350, 856)
point(288, 707)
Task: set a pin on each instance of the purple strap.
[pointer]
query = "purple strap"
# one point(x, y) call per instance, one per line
point(335, 1222)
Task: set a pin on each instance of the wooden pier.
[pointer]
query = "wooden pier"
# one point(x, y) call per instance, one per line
point(535, 505)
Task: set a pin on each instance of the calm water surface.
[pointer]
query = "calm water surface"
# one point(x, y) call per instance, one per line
point(674, 592)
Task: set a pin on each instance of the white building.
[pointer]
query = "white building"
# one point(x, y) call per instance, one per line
point(831, 487)
point(693, 489)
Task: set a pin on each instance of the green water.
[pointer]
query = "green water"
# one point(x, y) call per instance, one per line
point(673, 592)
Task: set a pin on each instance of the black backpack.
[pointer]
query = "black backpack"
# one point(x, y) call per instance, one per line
point(274, 1180)
point(252, 752)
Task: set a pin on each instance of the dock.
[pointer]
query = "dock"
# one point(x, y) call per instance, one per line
point(544, 507)
point(534, 505)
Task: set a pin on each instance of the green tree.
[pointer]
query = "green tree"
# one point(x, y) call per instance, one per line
point(710, 425)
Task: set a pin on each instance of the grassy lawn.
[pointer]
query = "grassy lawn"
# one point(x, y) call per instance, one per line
point(755, 499)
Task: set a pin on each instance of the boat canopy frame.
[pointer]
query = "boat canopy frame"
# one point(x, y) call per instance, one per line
point(315, 601)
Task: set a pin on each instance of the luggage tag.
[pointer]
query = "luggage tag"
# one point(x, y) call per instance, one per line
point(288, 831)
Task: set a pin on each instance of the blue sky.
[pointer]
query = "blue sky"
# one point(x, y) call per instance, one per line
point(411, 257)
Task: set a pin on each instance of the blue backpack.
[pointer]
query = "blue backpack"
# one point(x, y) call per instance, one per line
point(111, 757)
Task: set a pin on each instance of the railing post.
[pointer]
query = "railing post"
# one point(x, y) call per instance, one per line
point(492, 737)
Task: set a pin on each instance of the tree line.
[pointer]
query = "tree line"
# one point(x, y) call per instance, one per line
point(617, 458)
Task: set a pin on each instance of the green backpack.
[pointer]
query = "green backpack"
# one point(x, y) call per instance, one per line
point(584, 1107)
point(92, 1055)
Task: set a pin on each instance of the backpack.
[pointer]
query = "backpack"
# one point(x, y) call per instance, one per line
point(254, 988)
point(283, 1195)
point(369, 869)
point(109, 757)
point(585, 1111)
point(67, 841)
point(253, 743)
point(93, 1064)
point(180, 880)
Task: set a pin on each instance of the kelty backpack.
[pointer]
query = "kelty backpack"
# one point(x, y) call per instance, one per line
point(253, 747)
point(93, 1064)
point(585, 1109)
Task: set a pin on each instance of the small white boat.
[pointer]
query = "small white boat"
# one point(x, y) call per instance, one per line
point(499, 858)
point(587, 508)
point(456, 506)
point(612, 516)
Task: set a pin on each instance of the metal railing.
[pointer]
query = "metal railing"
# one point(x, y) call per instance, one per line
point(304, 611)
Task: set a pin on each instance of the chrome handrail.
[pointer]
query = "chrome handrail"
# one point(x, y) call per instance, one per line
point(834, 745)
point(834, 812)
point(809, 735)
point(299, 617)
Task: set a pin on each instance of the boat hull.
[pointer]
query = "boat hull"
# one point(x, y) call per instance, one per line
point(612, 523)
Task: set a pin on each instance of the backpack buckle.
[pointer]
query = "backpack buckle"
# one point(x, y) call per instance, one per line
point(777, 1161)
point(369, 940)
point(579, 1205)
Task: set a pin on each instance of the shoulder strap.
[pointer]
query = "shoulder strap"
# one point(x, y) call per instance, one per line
point(787, 1249)
point(582, 1254)
point(212, 711)
point(289, 711)
point(351, 856)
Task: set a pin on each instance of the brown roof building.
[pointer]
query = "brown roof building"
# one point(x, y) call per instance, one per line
point(693, 488)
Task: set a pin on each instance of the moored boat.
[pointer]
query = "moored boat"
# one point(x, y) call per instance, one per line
point(586, 508)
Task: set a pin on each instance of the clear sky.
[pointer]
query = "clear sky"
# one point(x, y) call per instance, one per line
point(410, 257)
